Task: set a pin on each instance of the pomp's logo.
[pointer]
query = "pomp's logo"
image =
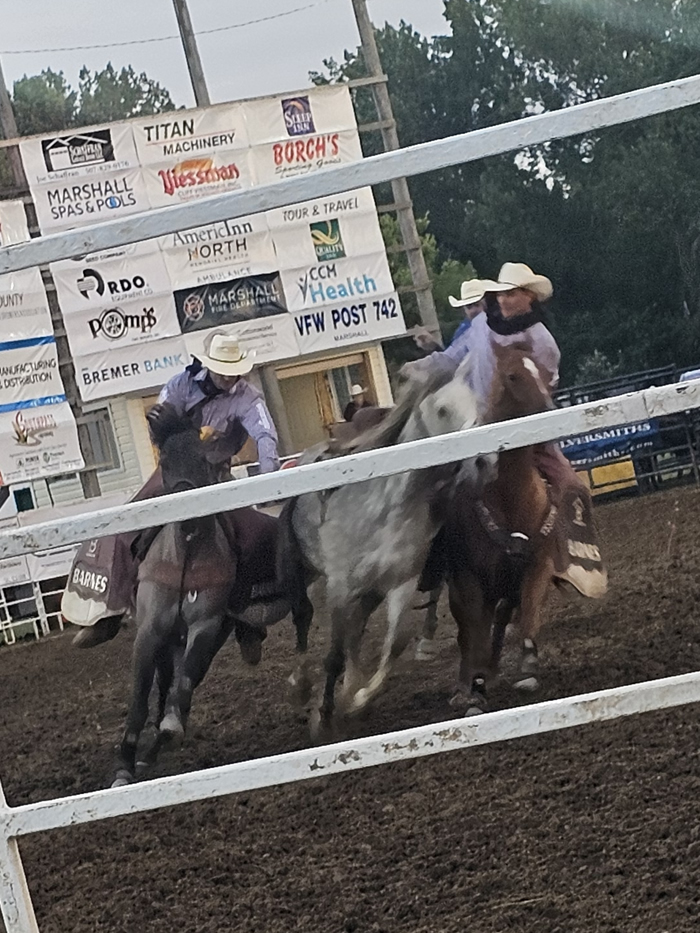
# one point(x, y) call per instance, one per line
point(327, 240)
point(114, 323)
point(298, 118)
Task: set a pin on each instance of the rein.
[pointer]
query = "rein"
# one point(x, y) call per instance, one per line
point(514, 543)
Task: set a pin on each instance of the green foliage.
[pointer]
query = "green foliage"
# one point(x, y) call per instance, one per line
point(46, 102)
point(612, 217)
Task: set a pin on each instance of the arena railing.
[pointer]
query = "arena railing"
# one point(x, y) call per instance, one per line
point(15, 899)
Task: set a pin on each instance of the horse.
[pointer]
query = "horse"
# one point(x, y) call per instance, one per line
point(369, 540)
point(197, 580)
point(499, 547)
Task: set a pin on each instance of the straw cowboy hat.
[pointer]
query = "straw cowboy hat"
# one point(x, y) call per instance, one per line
point(512, 275)
point(471, 292)
point(223, 355)
point(356, 390)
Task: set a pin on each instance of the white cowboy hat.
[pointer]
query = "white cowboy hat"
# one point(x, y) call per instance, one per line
point(472, 291)
point(223, 355)
point(518, 275)
point(356, 390)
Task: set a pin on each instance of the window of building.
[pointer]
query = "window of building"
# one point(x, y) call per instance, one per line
point(105, 452)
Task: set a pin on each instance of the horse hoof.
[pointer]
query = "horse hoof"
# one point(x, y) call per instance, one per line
point(527, 685)
point(426, 650)
point(171, 729)
point(122, 779)
point(472, 704)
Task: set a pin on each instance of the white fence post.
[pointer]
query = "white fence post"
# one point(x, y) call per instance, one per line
point(15, 900)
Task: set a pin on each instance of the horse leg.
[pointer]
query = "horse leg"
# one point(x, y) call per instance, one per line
point(534, 590)
point(204, 639)
point(146, 648)
point(397, 637)
point(299, 679)
point(425, 649)
point(165, 667)
point(473, 616)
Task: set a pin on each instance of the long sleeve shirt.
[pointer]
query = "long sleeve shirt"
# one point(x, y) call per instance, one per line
point(243, 406)
point(478, 342)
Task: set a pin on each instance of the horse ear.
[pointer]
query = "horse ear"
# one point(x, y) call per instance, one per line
point(463, 371)
point(164, 421)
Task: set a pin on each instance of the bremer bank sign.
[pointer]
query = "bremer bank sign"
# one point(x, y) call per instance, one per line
point(121, 370)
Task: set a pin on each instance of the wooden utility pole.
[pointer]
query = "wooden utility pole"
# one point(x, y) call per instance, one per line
point(400, 190)
point(8, 128)
point(194, 62)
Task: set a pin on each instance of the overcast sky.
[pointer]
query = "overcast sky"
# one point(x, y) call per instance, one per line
point(255, 59)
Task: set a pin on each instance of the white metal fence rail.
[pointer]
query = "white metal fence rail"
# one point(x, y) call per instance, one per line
point(15, 900)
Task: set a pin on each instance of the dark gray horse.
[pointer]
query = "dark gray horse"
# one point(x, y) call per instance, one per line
point(198, 579)
point(370, 540)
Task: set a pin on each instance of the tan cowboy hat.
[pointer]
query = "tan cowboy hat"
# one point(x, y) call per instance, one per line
point(223, 355)
point(518, 275)
point(356, 390)
point(472, 291)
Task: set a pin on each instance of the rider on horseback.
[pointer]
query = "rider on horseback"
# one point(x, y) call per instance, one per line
point(227, 409)
point(513, 316)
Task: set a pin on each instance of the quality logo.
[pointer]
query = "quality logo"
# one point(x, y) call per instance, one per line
point(327, 240)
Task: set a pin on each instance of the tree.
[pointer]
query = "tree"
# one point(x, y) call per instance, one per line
point(46, 102)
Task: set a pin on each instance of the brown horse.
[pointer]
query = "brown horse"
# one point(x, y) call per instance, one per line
point(499, 548)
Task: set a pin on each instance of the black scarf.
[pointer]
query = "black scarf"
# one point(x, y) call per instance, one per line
point(505, 326)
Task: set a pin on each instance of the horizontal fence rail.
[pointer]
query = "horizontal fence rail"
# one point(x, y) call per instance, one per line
point(355, 468)
point(413, 160)
point(341, 757)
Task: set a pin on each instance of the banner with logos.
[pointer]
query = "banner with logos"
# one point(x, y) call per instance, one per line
point(29, 372)
point(217, 252)
point(24, 307)
point(232, 302)
point(340, 280)
point(331, 238)
point(287, 116)
point(360, 321)
point(38, 441)
point(130, 369)
point(258, 276)
point(13, 223)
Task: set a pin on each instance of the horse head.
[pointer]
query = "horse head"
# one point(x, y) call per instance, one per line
point(520, 386)
point(448, 404)
point(182, 453)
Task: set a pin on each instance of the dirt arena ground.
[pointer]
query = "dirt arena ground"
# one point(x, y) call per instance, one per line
point(594, 830)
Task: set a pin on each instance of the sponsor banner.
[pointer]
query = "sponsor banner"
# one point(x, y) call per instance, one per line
point(28, 370)
point(217, 252)
point(302, 155)
point(609, 443)
point(36, 442)
point(93, 330)
point(13, 223)
point(24, 307)
point(269, 338)
point(290, 116)
point(79, 154)
point(45, 565)
point(231, 302)
point(360, 201)
point(198, 176)
point(187, 134)
point(360, 320)
point(99, 282)
point(327, 239)
point(14, 570)
point(130, 369)
point(65, 204)
point(337, 280)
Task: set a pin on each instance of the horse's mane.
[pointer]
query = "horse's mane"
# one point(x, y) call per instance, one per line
point(410, 396)
point(165, 423)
